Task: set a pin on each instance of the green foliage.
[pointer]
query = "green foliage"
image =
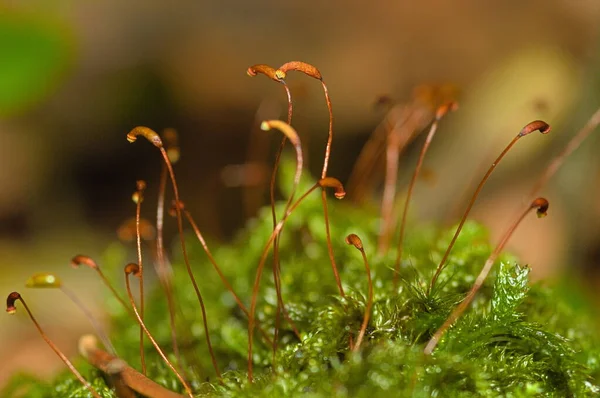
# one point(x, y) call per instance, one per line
point(510, 288)
point(516, 339)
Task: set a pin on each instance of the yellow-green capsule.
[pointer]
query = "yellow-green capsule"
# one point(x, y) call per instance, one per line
point(43, 280)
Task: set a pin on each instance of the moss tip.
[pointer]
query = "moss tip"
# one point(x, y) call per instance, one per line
point(43, 280)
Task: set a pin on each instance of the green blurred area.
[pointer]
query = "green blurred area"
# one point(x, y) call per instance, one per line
point(37, 52)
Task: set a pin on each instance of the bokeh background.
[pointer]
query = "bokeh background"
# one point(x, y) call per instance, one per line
point(75, 77)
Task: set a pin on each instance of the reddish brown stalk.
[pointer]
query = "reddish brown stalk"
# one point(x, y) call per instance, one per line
point(536, 125)
point(541, 205)
point(292, 135)
point(271, 73)
point(397, 139)
point(363, 174)
point(355, 241)
point(138, 198)
point(328, 182)
point(575, 142)
point(212, 260)
point(154, 138)
point(125, 378)
point(134, 269)
point(402, 132)
point(441, 111)
point(46, 280)
point(256, 164)
point(87, 261)
point(163, 269)
point(276, 265)
point(313, 72)
point(11, 309)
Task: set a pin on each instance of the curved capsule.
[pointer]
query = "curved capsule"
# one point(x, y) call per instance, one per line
point(266, 70)
point(299, 66)
point(44, 280)
point(542, 207)
point(330, 182)
point(536, 125)
point(83, 259)
point(355, 241)
point(147, 133)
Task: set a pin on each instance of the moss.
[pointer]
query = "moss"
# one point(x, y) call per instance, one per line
point(516, 340)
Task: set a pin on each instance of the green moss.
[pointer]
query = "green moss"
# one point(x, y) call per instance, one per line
point(516, 340)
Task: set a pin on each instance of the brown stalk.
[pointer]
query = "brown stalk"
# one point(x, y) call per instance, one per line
point(271, 73)
point(212, 260)
point(575, 142)
point(138, 198)
point(370, 154)
point(134, 269)
point(536, 125)
point(154, 138)
point(355, 241)
point(276, 264)
point(313, 72)
point(291, 134)
point(163, 269)
point(125, 379)
point(441, 111)
point(400, 135)
point(80, 259)
point(256, 155)
point(11, 309)
point(541, 205)
point(328, 182)
point(50, 281)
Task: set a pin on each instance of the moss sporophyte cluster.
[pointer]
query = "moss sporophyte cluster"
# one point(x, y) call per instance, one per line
point(317, 297)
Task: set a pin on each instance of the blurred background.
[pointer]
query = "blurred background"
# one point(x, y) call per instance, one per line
point(75, 77)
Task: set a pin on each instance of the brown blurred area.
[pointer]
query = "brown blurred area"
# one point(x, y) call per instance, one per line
point(67, 171)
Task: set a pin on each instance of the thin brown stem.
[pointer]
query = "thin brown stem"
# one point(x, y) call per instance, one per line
point(95, 324)
point(85, 260)
point(120, 372)
point(163, 270)
point(363, 170)
point(404, 130)
point(334, 268)
point(212, 260)
point(276, 264)
point(336, 273)
point(138, 198)
point(135, 270)
point(442, 110)
point(271, 73)
point(313, 72)
point(354, 240)
point(50, 281)
point(11, 309)
point(291, 134)
point(541, 205)
point(329, 182)
point(288, 133)
point(557, 162)
point(537, 125)
point(154, 138)
point(189, 268)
